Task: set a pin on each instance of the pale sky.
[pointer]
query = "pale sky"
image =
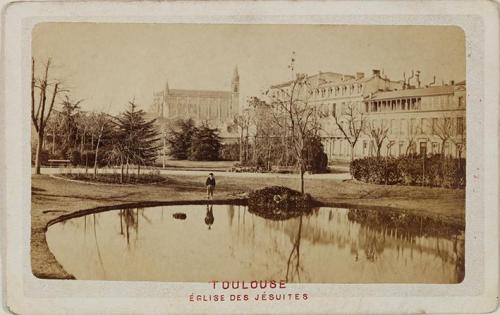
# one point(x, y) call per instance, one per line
point(110, 64)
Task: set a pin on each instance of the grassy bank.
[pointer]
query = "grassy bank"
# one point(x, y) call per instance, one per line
point(52, 198)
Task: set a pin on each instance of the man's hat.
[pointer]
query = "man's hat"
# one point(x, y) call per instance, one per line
point(211, 174)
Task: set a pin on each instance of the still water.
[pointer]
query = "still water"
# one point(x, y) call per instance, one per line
point(226, 242)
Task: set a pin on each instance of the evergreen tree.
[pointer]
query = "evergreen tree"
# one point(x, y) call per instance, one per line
point(179, 138)
point(140, 136)
point(205, 144)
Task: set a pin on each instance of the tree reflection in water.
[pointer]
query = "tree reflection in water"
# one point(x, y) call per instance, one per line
point(294, 260)
point(130, 219)
point(410, 229)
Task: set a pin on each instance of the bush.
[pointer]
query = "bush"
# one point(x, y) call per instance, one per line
point(88, 158)
point(411, 170)
point(75, 158)
point(230, 152)
point(315, 158)
point(44, 157)
point(279, 203)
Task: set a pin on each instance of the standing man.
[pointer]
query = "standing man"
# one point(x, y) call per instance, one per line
point(210, 183)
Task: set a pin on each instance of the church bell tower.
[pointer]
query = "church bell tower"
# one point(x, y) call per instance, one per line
point(235, 90)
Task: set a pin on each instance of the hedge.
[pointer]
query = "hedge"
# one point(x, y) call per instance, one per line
point(434, 171)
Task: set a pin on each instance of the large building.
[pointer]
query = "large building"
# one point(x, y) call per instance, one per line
point(217, 108)
point(410, 118)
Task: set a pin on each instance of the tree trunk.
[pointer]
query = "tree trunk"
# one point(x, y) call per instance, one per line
point(138, 169)
point(302, 171)
point(39, 146)
point(121, 172)
point(53, 140)
point(241, 146)
point(95, 157)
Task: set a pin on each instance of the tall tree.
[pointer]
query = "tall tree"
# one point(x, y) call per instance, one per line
point(351, 123)
point(444, 129)
point(296, 116)
point(205, 144)
point(242, 122)
point(69, 124)
point(142, 137)
point(179, 137)
point(40, 112)
point(377, 133)
point(101, 130)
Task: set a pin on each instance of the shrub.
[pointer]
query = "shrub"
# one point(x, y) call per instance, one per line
point(230, 152)
point(75, 158)
point(411, 170)
point(279, 203)
point(88, 158)
point(315, 158)
point(44, 157)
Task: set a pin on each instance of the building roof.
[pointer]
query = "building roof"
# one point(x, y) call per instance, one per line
point(328, 78)
point(196, 93)
point(426, 91)
point(319, 78)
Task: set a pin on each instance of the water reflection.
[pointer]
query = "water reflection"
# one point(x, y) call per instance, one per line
point(327, 245)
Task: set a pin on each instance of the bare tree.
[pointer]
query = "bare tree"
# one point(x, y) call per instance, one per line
point(40, 112)
point(296, 117)
point(458, 138)
point(351, 123)
point(443, 128)
point(242, 123)
point(99, 123)
point(378, 134)
point(412, 131)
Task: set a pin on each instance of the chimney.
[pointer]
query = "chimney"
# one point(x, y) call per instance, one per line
point(417, 75)
point(409, 79)
point(360, 75)
point(376, 72)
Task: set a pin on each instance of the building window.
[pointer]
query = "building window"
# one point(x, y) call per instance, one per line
point(461, 102)
point(423, 148)
point(435, 148)
point(334, 109)
point(404, 127)
point(401, 148)
point(460, 125)
point(424, 126)
point(413, 126)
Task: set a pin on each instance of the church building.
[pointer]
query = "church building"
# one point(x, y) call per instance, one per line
point(215, 107)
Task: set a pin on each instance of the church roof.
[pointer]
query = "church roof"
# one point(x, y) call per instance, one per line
point(204, 93)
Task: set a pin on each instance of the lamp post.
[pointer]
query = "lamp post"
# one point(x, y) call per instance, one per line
point(424, 155)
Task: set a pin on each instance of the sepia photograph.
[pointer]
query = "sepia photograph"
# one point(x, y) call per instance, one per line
point(243, 152)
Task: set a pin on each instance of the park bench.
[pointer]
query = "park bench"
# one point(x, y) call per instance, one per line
point(58, 163)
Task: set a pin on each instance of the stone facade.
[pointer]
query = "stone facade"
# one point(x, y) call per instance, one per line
point(217, 108)
point(414, 116)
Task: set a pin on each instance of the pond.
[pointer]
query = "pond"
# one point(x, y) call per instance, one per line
point(227, 242)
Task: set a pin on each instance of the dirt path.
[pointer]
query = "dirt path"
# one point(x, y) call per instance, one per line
point(53, 197)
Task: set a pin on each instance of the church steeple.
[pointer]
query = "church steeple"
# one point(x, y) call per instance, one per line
point(235, 82)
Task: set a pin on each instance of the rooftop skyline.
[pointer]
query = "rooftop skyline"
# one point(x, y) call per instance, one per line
point(109, 64)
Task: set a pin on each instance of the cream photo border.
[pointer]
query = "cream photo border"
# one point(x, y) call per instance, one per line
point(26, 294)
